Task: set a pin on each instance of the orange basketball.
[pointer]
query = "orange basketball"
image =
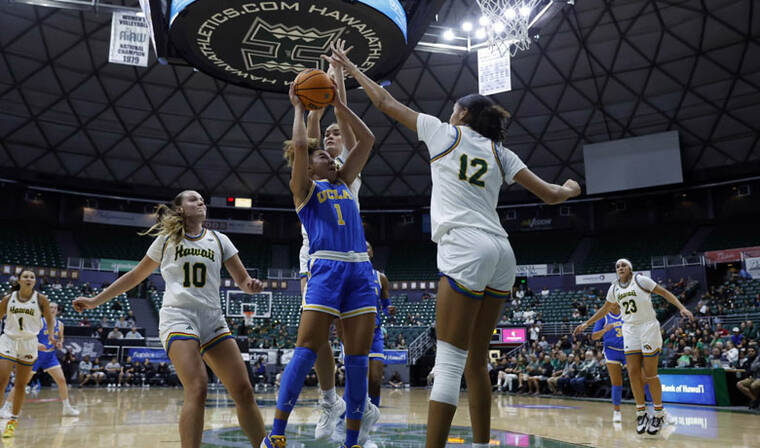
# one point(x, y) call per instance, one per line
point(314, 88)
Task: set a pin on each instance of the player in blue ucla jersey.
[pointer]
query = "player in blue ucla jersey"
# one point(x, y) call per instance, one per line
point(340, 273)
point(610, 330)
point(48, 361)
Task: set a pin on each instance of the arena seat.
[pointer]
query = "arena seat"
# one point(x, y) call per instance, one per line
point(22, 244)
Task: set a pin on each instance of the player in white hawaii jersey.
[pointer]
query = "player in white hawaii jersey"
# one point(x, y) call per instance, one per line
point(469, 166)
point(23, 309)
point(641, 337)
point(191, 324)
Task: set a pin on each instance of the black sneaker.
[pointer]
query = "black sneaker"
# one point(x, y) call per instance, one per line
point(754, 404)
point(642, 421)
point(655, 424)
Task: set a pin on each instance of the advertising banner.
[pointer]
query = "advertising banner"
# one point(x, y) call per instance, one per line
point(513, 335)
point(395, 357)
point(693, 389)
point(532, 270)
point(269, 355)
point(593, 279)
point(729, 255)
point(81, 346)
point(145, 220)
point(140, 354)
point(752, 265)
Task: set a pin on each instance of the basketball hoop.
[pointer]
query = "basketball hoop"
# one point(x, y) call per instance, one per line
point(248, 317)
point(508, 24)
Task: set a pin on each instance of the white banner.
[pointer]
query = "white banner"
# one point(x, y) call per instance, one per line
point(145, 220)
point(592, 279)
point(130, 39)
point(532, 270)
point(493, 72)
point(752, 265)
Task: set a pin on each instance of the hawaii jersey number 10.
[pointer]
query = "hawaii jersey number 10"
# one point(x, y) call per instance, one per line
point(198, 271)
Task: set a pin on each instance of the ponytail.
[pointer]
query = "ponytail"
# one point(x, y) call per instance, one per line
point(289, 149)
point(484, 116)
point(169, 221)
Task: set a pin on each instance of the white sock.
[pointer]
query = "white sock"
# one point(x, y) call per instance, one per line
point(66, 402)
point(329, 395)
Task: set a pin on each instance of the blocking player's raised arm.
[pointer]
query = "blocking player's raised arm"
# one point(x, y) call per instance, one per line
point(365, 139)
point(337, 73)
point(381, 98)
point(299, 176)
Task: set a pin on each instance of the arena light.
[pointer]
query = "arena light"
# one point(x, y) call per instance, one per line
point(525, 11)
point(480, 33)
point(498, 27)
point(243, 202)
point(510, 14)
point(467, 27)
point(483, 21)
point(448, 35)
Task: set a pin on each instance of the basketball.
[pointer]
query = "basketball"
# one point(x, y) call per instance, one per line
point(314, 88)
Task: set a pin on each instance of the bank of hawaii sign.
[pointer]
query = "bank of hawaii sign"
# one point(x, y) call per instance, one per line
point(265, 44)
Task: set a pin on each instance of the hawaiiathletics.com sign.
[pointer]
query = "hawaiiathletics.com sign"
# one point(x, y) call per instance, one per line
point(593, 279)
point(265, 44)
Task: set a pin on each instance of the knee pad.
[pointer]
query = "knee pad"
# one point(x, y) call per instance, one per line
point(449, 366)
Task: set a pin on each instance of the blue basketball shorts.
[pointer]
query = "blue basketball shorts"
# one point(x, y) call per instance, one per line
point(377, 351)
point(341, 288)
point(614, 356)
point(45, 360)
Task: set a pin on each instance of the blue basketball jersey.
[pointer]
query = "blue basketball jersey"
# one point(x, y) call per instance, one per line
point(331, 219)
point(614, 337)
point(42, 336)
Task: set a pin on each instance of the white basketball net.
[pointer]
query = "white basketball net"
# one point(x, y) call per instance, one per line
point(508, 24)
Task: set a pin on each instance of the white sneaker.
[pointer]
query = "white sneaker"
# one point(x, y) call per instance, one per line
point(369, 419)
point(339, 434)
point(369, 444)
point(617, 417)
point(69, 411)
point(329, 414)
point(5, 411)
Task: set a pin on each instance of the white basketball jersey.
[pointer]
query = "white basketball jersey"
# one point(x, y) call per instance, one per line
point(191, 269)
point(468, 171)
point(635, 299)
point(24, 319)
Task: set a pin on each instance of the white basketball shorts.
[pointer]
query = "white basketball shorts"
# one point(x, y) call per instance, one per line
point(643, 338)
point(208, 327)
point(21, 351)
point(477, 262)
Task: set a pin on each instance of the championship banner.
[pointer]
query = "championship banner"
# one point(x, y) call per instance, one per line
point(140, 354)
point(493, 72)
point(593, 279)
point(395, 357)
point(130, 39)
point(730, 255)
point(145, 220)
point(81, 346)
point(532, 270)
point(752, 266)
point(263, 45)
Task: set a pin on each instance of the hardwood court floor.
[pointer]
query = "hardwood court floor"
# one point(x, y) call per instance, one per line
point(148, 418)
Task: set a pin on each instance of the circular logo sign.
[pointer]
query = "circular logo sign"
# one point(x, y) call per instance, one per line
point(265, 44)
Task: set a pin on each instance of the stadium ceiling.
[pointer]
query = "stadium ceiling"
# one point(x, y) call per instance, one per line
point(600, 70)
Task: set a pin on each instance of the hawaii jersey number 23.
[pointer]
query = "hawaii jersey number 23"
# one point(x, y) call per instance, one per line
point(630, 307)
point(195, 272)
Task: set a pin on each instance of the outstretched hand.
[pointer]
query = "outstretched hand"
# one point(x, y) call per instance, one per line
point(253, 286)
point(339, 56)
point(687, 314)
point(83, 303)
point(580, 329)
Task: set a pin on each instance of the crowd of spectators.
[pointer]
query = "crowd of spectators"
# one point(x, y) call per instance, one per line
point(577, 367)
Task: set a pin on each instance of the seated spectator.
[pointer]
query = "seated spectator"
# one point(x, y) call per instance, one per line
point(585, 373)
point(85, 322)
point(395, 381)
point(531, 374)
point(145, 372)
point(750, 330)
point(122, 322)
point(545, 292)
point(732, 354)
point(85, 371)
point(127, 372)
point(115, 334)
point(98, 373)
point(112, 370)
point(562, 382)
point(133, 334)
point(737, 337)
point(716, 359)
point(162, 374)
point(131, 321)
point(69, 366)
point(750, 386)
point(685, 359)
